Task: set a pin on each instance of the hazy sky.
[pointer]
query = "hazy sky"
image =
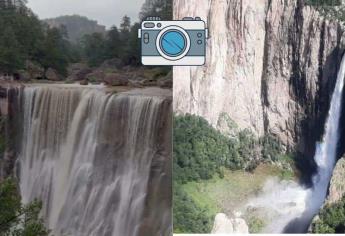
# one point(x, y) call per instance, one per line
point(106, 12)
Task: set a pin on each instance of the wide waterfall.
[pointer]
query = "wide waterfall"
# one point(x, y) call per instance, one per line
point(99, 161)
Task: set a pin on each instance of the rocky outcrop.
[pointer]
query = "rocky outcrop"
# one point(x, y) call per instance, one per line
point(78, 72)
point(52, 75)
point(224, 225)
point(116, 79)
point(271, 66)
point(9, 126)
point(34, 71)
point(337, 185)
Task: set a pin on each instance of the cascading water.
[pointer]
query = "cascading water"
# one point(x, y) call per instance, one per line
point(290, 207)
point(326, 151)
point(96, 160)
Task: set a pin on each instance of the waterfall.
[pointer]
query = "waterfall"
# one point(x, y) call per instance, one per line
point(326, 151)
point(290, 207)
point(325, 158)
point(97, 160)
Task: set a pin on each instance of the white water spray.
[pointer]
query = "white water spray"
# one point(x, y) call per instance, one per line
point(282, 203)
point(326, 151)
point(96, 160)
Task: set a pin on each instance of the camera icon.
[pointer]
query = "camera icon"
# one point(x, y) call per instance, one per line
point(174, 43)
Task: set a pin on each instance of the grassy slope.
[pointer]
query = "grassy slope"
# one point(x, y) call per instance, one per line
point(228, 194)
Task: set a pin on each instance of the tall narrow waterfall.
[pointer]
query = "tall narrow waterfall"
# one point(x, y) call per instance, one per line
point(98, 161)
point(326, 151)
point(325, 157)
point(292, 206)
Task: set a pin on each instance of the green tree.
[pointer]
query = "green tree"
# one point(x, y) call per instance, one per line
point(188, 216)
point(54, 50)
point(15, 218)
point(11, 58)
point(331, 219)
point(125, 24)
point(94, 47)
point(113, 43)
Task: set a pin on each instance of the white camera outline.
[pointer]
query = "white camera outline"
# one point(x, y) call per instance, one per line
point(178, 29)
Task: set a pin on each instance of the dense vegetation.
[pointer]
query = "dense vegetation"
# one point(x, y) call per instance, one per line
point(201, 152)
point(189, 217)
point(332, 219)
point(15, 218)
point(123, 42)
point(25, 39)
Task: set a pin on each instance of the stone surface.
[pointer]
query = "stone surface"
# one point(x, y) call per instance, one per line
point(224, 225)
point(271, 66)
point(116, 79)
point(337, 185)
point(53, 75)
point(34, 71)
point(78, 71)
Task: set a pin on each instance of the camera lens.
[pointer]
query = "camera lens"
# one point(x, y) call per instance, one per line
point(173, 43)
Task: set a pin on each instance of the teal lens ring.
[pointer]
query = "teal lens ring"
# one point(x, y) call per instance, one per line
point(173, 43)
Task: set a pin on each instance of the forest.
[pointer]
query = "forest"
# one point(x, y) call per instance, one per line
point(201, 152)
point(26, 40)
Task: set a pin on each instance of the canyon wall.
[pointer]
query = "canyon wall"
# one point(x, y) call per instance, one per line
point(271, 66)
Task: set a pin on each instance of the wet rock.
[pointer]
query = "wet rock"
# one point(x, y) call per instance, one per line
point(84, 82)
point(337, 185)
point(53, 75)
point(78, 71)
point(24, 75)
point(149, 82)
point(34, 71)
point(116, 79)
point(95, 76)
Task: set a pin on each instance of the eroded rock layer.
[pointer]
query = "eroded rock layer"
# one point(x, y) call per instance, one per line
point(271, 66)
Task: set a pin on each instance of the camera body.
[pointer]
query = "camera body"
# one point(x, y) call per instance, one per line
point(180, 42)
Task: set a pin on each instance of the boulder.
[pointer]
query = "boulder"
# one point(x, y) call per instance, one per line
point(149, 82)
point(84, 82)
point(78, 71)
point(95, 76)
point(115, 79)
point(34, 71)
point(225, 225)
point(23, 75)
point(337, 184)
point(53, 75)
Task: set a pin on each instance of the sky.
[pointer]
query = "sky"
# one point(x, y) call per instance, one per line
point(106, 12)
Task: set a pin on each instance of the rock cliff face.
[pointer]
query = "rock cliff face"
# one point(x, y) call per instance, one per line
point(337, 185)
point(271, 66)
